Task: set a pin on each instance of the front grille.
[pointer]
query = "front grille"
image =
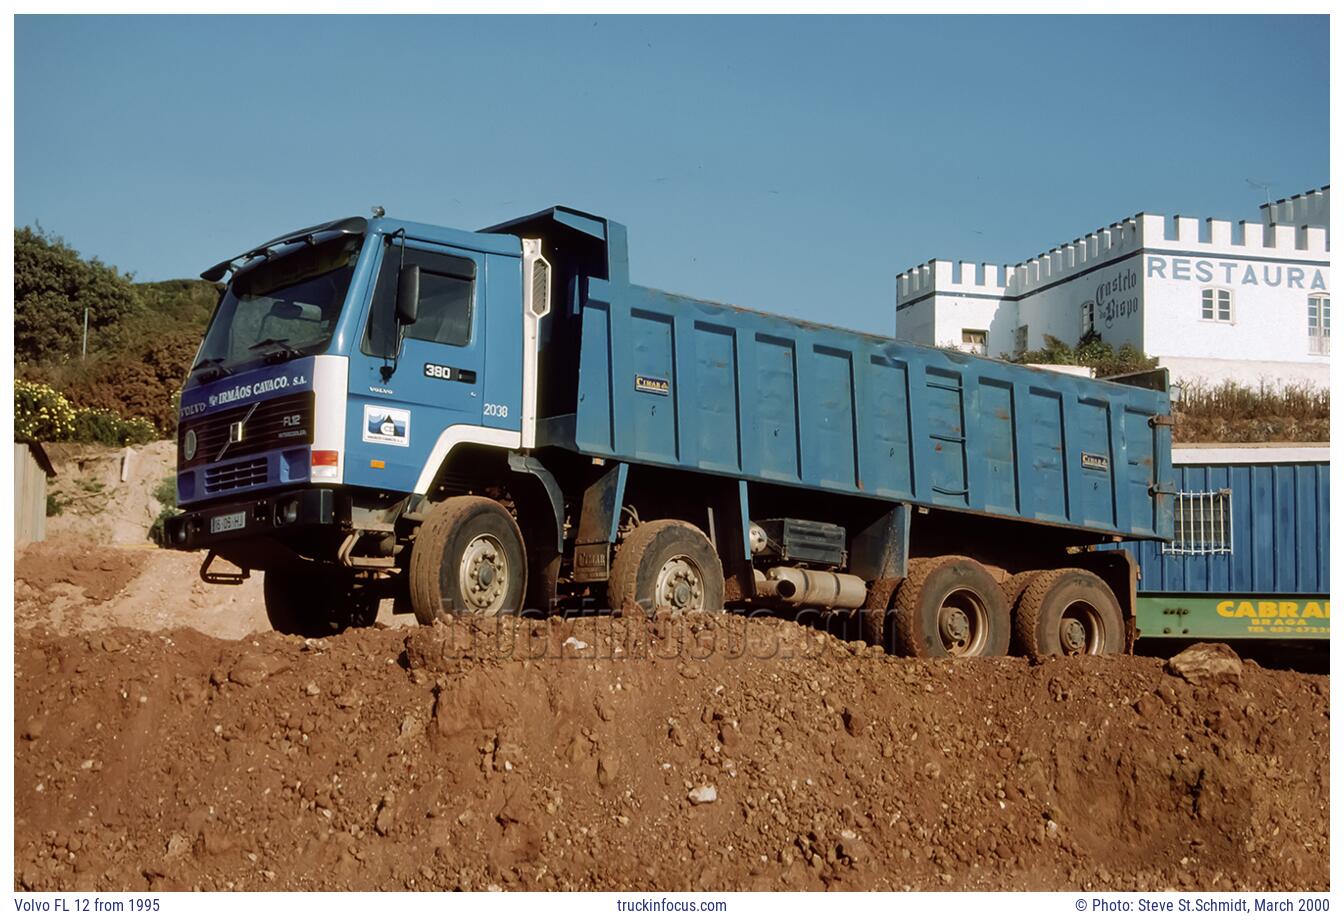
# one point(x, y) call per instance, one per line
point(283, 422)
point(239, 475)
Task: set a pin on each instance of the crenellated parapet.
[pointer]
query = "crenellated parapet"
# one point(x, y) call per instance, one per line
point(1178, 234)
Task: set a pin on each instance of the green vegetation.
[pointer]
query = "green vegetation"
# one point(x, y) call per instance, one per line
point(53, 287)
point(1091, 351)
point(42, 414)
point(165, 493)
point(142, 338)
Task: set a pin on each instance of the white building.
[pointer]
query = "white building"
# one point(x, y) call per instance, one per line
point(1213, 301)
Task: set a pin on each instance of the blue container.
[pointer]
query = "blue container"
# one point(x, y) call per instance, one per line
point(1278, 532)
point(670, 381)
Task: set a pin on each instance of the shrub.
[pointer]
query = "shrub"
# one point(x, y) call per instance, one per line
point(53, 286)
point(1236, 413)
point(165, 493)
point(1091, 351)
point(41, 414)
point(99, 426)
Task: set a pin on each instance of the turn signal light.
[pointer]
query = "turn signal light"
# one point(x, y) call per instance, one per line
point(326, 464)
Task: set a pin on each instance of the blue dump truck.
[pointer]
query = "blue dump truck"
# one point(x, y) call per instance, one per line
point(1249, 559)
point(478, 423)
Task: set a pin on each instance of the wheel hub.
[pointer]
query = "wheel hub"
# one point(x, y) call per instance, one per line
point(1081, 630)
point(680, 585)
point(483, 575)
point(963, 623)
point(954, 625)
point(1072, 635)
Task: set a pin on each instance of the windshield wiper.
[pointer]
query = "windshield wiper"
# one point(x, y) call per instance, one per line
point(285, 350)
point(217, 368)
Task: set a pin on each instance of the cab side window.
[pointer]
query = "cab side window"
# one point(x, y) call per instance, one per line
point(445, 309)
point(447, 298)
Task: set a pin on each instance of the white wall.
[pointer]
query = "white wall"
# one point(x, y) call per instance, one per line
point(957, 313)
point(1269, 308)
point(1250, 373)
point(1117, 293)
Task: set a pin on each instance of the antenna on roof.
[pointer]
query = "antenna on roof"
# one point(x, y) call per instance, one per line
point(1256, 183)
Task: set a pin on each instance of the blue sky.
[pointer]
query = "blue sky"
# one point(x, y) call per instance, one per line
point(791, 164)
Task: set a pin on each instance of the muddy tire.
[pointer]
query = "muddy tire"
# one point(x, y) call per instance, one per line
point(878, 620)
point(1068, 612)
point(468, 560)
point(950, 607)
point(665, 564)
point(1016, 585)
point(315, 601)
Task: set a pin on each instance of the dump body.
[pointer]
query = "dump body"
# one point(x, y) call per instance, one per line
point(671, 381)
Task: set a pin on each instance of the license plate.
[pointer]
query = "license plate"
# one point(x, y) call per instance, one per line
point(222, 523)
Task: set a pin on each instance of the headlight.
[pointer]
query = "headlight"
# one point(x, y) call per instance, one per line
point(189, 444)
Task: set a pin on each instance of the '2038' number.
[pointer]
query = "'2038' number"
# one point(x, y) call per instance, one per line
point(496, 410)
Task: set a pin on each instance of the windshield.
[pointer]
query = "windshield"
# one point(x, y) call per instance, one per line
point(285, 307)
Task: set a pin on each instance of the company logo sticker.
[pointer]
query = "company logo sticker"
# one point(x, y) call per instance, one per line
point(1096, 462)
point(383, 425)
point(652, 385)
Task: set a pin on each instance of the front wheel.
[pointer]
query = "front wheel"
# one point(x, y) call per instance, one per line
point(468, 560)
point(313, 601)
point(666, 565)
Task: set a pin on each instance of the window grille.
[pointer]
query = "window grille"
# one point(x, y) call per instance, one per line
point(1203, 524)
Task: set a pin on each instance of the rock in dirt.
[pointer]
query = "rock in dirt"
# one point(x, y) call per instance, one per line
point(703, 795)
point(253, 668)
point(1206, 664)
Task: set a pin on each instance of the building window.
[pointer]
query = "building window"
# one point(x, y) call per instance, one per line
point(974, 341)
point(1318, 324)
point(1089, 317)
point(1203, 524)
point(1020, 340)
point(1216, 305)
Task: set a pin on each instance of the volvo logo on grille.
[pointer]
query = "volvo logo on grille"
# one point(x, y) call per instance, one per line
point(236, 431)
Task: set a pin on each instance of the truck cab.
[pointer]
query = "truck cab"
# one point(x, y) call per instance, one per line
point(341, 365)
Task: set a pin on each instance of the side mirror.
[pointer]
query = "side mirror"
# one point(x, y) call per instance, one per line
point(1176, 393)
point(408, 294)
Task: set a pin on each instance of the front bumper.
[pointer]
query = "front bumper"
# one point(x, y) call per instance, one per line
point(257, 519)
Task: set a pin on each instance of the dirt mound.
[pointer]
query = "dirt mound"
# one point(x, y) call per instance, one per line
point(106, 495)
point(69, 584)
point(688, 753)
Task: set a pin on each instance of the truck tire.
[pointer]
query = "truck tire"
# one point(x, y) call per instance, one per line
point(665, 564)
point(950, 607)
point(468, 560)
point(1068, 612)
point(315, 601)
point(1015, 585)
point(878, 622)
